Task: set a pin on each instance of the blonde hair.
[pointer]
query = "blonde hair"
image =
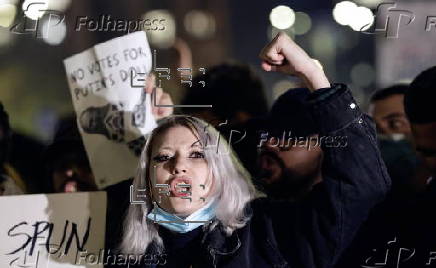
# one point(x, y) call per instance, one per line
point(233, 188)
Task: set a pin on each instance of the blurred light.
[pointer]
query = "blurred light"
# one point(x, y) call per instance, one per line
point(323, 43)
point(362, 74)
point(343, 12)
point(59, 5)
point(273, 31)
point(200, 24)
point(362, 19)
point(369, 3)
point(7, 14)
point(53, 32)
point(282, 17)
point(14, 2)
point(162, 38)
point(11, 2)
point(303, 23)
point(34, 9)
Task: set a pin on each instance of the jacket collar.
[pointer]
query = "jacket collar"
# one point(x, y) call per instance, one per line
point(218, 242)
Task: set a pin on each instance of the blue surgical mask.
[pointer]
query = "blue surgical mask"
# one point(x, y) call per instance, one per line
point(183, 225)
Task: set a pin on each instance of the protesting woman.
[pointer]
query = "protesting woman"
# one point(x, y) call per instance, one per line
point(200, 209)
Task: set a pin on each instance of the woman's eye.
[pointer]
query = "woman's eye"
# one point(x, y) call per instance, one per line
point(161, 158)
point(197, 155)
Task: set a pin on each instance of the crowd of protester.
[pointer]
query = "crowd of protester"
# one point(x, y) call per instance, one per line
point(313, 155)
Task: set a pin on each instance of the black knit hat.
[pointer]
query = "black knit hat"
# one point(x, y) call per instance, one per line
point(420, 97)
point(289, 114)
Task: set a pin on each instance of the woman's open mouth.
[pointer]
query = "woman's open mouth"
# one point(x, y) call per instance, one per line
point(181, 187)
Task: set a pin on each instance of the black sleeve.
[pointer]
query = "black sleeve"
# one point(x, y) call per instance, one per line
point(315, 231)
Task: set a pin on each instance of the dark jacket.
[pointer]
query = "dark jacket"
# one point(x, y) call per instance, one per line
point(316, 230)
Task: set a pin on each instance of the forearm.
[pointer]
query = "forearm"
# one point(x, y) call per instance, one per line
point(314, 78)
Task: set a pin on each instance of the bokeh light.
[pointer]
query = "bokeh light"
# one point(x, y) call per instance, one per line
point(302, 24)
point(200, 24)
point(282, 17)
point(343, 12)
point(362, 74)
point(348, 13)
point(162, 38)
point(7, 14)
point(362, 19)
point(323, 44)
point(53, 32)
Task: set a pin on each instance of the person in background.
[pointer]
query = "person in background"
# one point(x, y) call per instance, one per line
point(10, 182)
point(235, 92)
point(289, 157)
point(394, 136)
point(395, 141)
point(403, 234)
point(24, 153)
point(419, 106)
point(387, 109)
point(65, 161)
point(415, 229)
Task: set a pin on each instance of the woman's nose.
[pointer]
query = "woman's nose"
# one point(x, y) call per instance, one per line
point(180, 165)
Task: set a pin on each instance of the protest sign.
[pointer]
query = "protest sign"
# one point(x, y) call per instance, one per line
point(112, 116)
point(52, 230)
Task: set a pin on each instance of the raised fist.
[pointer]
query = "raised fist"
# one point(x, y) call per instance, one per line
point(282, 54)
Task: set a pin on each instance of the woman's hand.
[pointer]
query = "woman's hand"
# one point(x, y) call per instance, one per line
point(282, 54)
point(162, 98)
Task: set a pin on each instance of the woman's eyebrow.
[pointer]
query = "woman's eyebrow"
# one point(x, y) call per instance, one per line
point(196, 143)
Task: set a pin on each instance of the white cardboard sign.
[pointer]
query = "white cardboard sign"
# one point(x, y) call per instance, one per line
point(52, 230)
point(112, 116)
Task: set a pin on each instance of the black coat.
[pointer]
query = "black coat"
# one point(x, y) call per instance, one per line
point(314, 231)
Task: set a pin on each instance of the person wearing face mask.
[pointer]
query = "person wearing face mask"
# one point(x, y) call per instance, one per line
point(197, 206)
point(395, 140)
point(404, 123)
point(408, 176)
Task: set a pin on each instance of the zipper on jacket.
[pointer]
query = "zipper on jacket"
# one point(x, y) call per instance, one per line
point(214, 260)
